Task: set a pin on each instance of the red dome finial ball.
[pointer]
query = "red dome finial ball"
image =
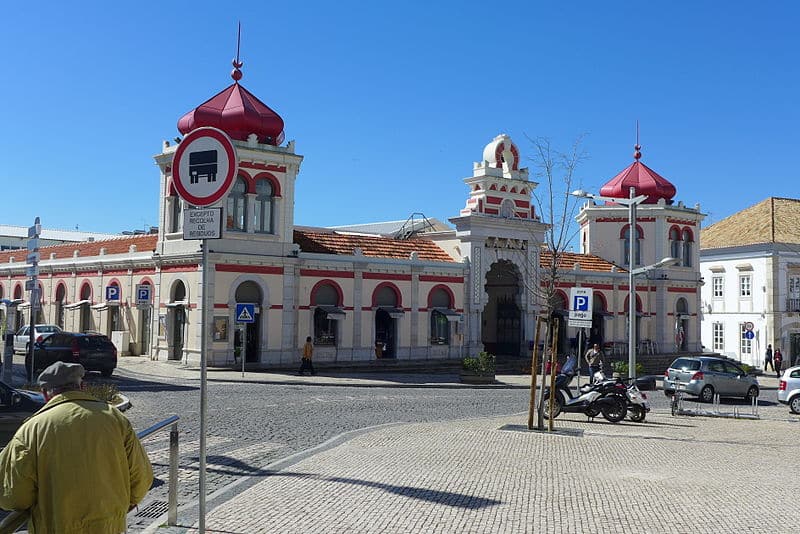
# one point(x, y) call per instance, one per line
point(236, 74)
point(637, 154)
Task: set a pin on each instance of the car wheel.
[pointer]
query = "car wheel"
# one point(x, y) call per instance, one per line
point(616, 412)
point(794, 404)
point(752, 393)
point(707, 394)
point(107, 372)
point(556, 407)
point(637, 413)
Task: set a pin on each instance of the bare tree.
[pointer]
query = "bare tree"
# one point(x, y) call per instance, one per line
point(555, 171)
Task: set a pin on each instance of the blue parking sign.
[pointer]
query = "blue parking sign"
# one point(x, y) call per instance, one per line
point(580, 303)
point(112, 293)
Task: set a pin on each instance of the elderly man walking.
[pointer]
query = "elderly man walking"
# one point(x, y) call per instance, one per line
point(75, 466)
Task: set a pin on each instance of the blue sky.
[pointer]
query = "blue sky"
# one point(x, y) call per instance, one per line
point(390, 103)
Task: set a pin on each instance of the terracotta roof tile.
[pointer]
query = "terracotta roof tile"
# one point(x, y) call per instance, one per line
point(117, 245)
point(774, 220)
point(587, 262)
point(329, 242)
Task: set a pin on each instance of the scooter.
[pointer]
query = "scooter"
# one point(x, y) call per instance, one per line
point(606, 397)
point(637, 402)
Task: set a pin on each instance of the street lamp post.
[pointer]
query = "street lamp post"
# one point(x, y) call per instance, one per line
point(631, 202)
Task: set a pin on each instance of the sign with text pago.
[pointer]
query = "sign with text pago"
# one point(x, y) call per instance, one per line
point(204, 166)
point(580, 307)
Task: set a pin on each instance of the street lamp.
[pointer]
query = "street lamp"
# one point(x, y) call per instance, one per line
point(632, 201)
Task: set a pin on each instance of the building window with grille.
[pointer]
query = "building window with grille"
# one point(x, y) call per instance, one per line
point(263, 209)
point(745, 345)
point(237, 206)
point(745, 286)
point(718, 335)
point(718, 287)
point(326, 298)
point(793, 303)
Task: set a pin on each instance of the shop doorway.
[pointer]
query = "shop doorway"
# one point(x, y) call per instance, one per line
point(178, 321)
point(502, 332)
point(387, 315)
point(794, 349)
point(86, 322)
point(681, 325)
point(247, 336)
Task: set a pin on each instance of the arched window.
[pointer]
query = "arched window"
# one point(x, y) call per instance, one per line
point(325, 297)
point(675, 248)
point(440, 325)
point(237, 206)
point(687, 248)
point(264, 207)
point(176, 214)
point(636, 246)
point(61, 295)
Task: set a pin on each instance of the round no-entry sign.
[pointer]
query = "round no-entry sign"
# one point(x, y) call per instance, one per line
point(204, 166)
point(748, 326)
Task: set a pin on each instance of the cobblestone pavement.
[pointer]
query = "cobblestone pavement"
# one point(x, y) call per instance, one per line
point(672, 474)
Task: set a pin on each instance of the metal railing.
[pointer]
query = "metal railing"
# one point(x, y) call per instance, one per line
point(172, 422)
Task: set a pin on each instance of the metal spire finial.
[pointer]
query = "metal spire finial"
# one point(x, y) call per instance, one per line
point(637, 148)
point(236, 74)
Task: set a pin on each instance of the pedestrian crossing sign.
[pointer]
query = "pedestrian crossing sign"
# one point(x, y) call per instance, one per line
point(245, 313)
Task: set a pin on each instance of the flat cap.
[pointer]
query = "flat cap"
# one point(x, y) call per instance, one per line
point(61, 374)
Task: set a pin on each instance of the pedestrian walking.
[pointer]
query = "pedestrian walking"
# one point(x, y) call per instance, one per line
point(305, 361)
point(777, 360)
point(594, 357)
point(768, 359)
point(75, 466)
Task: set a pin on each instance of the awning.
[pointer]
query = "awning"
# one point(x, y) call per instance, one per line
point(394, 313)
point(451, 315)
point(105, 305)
point(334, 313)
point(177, 303)
point(76, 305)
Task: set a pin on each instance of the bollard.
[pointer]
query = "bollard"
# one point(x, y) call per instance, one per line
point(172, 516)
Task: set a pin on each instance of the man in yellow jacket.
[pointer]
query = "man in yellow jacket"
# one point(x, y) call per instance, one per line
point(76, 465)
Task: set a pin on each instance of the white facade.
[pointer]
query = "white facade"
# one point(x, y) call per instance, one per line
point(758, 284)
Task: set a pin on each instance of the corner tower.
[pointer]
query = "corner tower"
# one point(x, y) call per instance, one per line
point(258, 211)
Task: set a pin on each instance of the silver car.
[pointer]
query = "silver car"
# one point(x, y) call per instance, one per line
point(40, 332)
point(789, 389)
point(705, 376)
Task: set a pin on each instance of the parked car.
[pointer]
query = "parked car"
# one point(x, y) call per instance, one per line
point(16, 405)
point(94, 351)
point(40, 332)
point(704, 376)
point(789, 389)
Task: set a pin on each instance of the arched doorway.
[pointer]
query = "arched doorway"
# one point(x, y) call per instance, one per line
point(18, 317)
point(61, 295)
point(246, 335)
point(386, 300)
point(86, 322)
point(560, 313)
point(114, 315)
point(178, 320)
point(681, 325)
point(597, 334)
point(502, 333)
point(146, 324)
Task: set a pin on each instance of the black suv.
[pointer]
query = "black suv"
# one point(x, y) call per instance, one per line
point(94, 351)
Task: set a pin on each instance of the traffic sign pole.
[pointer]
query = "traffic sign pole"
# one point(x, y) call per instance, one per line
point(33, 271)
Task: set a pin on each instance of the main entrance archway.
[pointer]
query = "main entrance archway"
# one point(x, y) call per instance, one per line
point(502, 331)
point(178, 320)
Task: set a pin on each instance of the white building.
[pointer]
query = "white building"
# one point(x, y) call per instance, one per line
point(750, 264)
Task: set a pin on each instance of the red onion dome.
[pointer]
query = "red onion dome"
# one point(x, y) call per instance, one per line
point(643, 179)
point(237, 112)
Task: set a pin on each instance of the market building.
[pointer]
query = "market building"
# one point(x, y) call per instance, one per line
point(417, 292)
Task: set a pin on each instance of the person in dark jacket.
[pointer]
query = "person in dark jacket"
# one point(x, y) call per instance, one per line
point(768, 359)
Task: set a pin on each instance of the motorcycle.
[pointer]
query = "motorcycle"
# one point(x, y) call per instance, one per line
point(637, 402)
point(606, 397)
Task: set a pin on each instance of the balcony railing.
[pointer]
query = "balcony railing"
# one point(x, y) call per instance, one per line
point(793, 305)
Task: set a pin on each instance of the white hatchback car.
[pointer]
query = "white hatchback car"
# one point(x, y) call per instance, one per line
point(789, 388)
point(40, 331)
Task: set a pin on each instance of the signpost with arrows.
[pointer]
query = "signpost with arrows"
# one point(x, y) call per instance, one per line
point(32, 285)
